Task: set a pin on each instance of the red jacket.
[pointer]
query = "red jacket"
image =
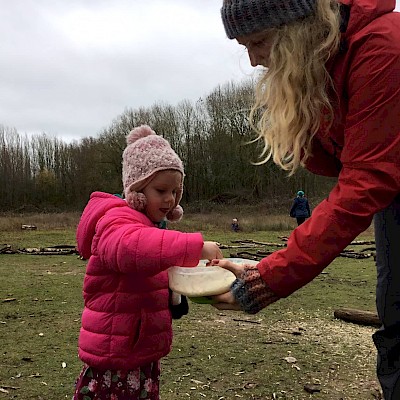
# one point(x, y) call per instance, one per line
point(362, 148)
point(126, 321)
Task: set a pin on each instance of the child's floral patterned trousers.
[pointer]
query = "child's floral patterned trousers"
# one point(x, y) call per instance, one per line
point(139, 384)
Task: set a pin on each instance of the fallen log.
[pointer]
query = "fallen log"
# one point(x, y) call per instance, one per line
point(29, 227)
point(5, 248)
point(359, 317)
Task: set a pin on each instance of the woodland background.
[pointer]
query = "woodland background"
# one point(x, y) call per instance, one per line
point(211, 135)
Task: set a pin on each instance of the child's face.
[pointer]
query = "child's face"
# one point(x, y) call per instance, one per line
point(161, 194)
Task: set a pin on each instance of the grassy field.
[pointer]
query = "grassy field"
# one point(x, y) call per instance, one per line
point(216, 355)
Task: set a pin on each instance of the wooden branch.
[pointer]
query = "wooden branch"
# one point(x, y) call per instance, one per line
point(355, 255)
point(255, 242)
point(358, 316)
point(241, 246)
point(246, 320)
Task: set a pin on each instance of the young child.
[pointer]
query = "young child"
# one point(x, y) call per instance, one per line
point(235, 225)
point(126, 322)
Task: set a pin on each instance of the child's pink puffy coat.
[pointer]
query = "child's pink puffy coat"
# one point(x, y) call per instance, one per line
point(126, 320)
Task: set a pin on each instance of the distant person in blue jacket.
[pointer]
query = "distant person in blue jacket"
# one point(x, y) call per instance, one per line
point(300, 208)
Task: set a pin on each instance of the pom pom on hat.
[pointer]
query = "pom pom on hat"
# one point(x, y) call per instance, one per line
point(147, 153)
point(138, 133)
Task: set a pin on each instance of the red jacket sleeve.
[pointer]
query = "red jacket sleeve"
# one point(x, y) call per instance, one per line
point(370, 175)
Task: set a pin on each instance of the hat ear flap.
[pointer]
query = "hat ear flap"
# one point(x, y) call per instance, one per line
point(136, 200)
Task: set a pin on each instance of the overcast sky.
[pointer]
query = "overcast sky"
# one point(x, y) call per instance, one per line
point(69, 67)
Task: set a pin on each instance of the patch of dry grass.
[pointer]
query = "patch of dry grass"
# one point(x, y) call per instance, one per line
point(249, 221)
point(43, 221)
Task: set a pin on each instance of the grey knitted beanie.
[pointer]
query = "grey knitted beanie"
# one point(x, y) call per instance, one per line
point(243, 17)
point(147, 153)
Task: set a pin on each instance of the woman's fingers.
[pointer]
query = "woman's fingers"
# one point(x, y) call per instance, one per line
point(225, 301)
point(229, 265)
point(226, 297)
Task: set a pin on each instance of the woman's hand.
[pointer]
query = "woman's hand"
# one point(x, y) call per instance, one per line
point(226, 301)
point(248, 293)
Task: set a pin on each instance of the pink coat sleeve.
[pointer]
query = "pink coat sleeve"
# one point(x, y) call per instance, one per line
point(134, 245)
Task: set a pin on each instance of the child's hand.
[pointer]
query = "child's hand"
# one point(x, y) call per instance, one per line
point(211, 251)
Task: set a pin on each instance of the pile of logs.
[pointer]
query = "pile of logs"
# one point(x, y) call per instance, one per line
point(42, 251)
point(257, 255)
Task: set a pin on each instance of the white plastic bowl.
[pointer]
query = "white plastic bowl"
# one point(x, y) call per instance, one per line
point(202, 280)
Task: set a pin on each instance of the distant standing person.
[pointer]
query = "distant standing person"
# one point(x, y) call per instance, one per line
point(300, 208)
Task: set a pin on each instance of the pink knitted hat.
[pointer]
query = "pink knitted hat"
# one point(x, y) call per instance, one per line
point(147, 153)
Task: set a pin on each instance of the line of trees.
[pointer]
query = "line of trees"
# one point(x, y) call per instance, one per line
point(211, 136)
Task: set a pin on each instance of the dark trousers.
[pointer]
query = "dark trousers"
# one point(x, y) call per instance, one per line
point(387, 339)
point(300, 220)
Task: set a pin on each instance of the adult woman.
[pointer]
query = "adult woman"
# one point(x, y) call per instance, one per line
point(329, 100)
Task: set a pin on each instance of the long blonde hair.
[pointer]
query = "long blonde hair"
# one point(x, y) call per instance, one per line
point(292, 93)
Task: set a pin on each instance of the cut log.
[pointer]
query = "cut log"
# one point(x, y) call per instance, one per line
point(358, 316)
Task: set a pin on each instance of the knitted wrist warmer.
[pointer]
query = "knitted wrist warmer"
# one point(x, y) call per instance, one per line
point(251, 292)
